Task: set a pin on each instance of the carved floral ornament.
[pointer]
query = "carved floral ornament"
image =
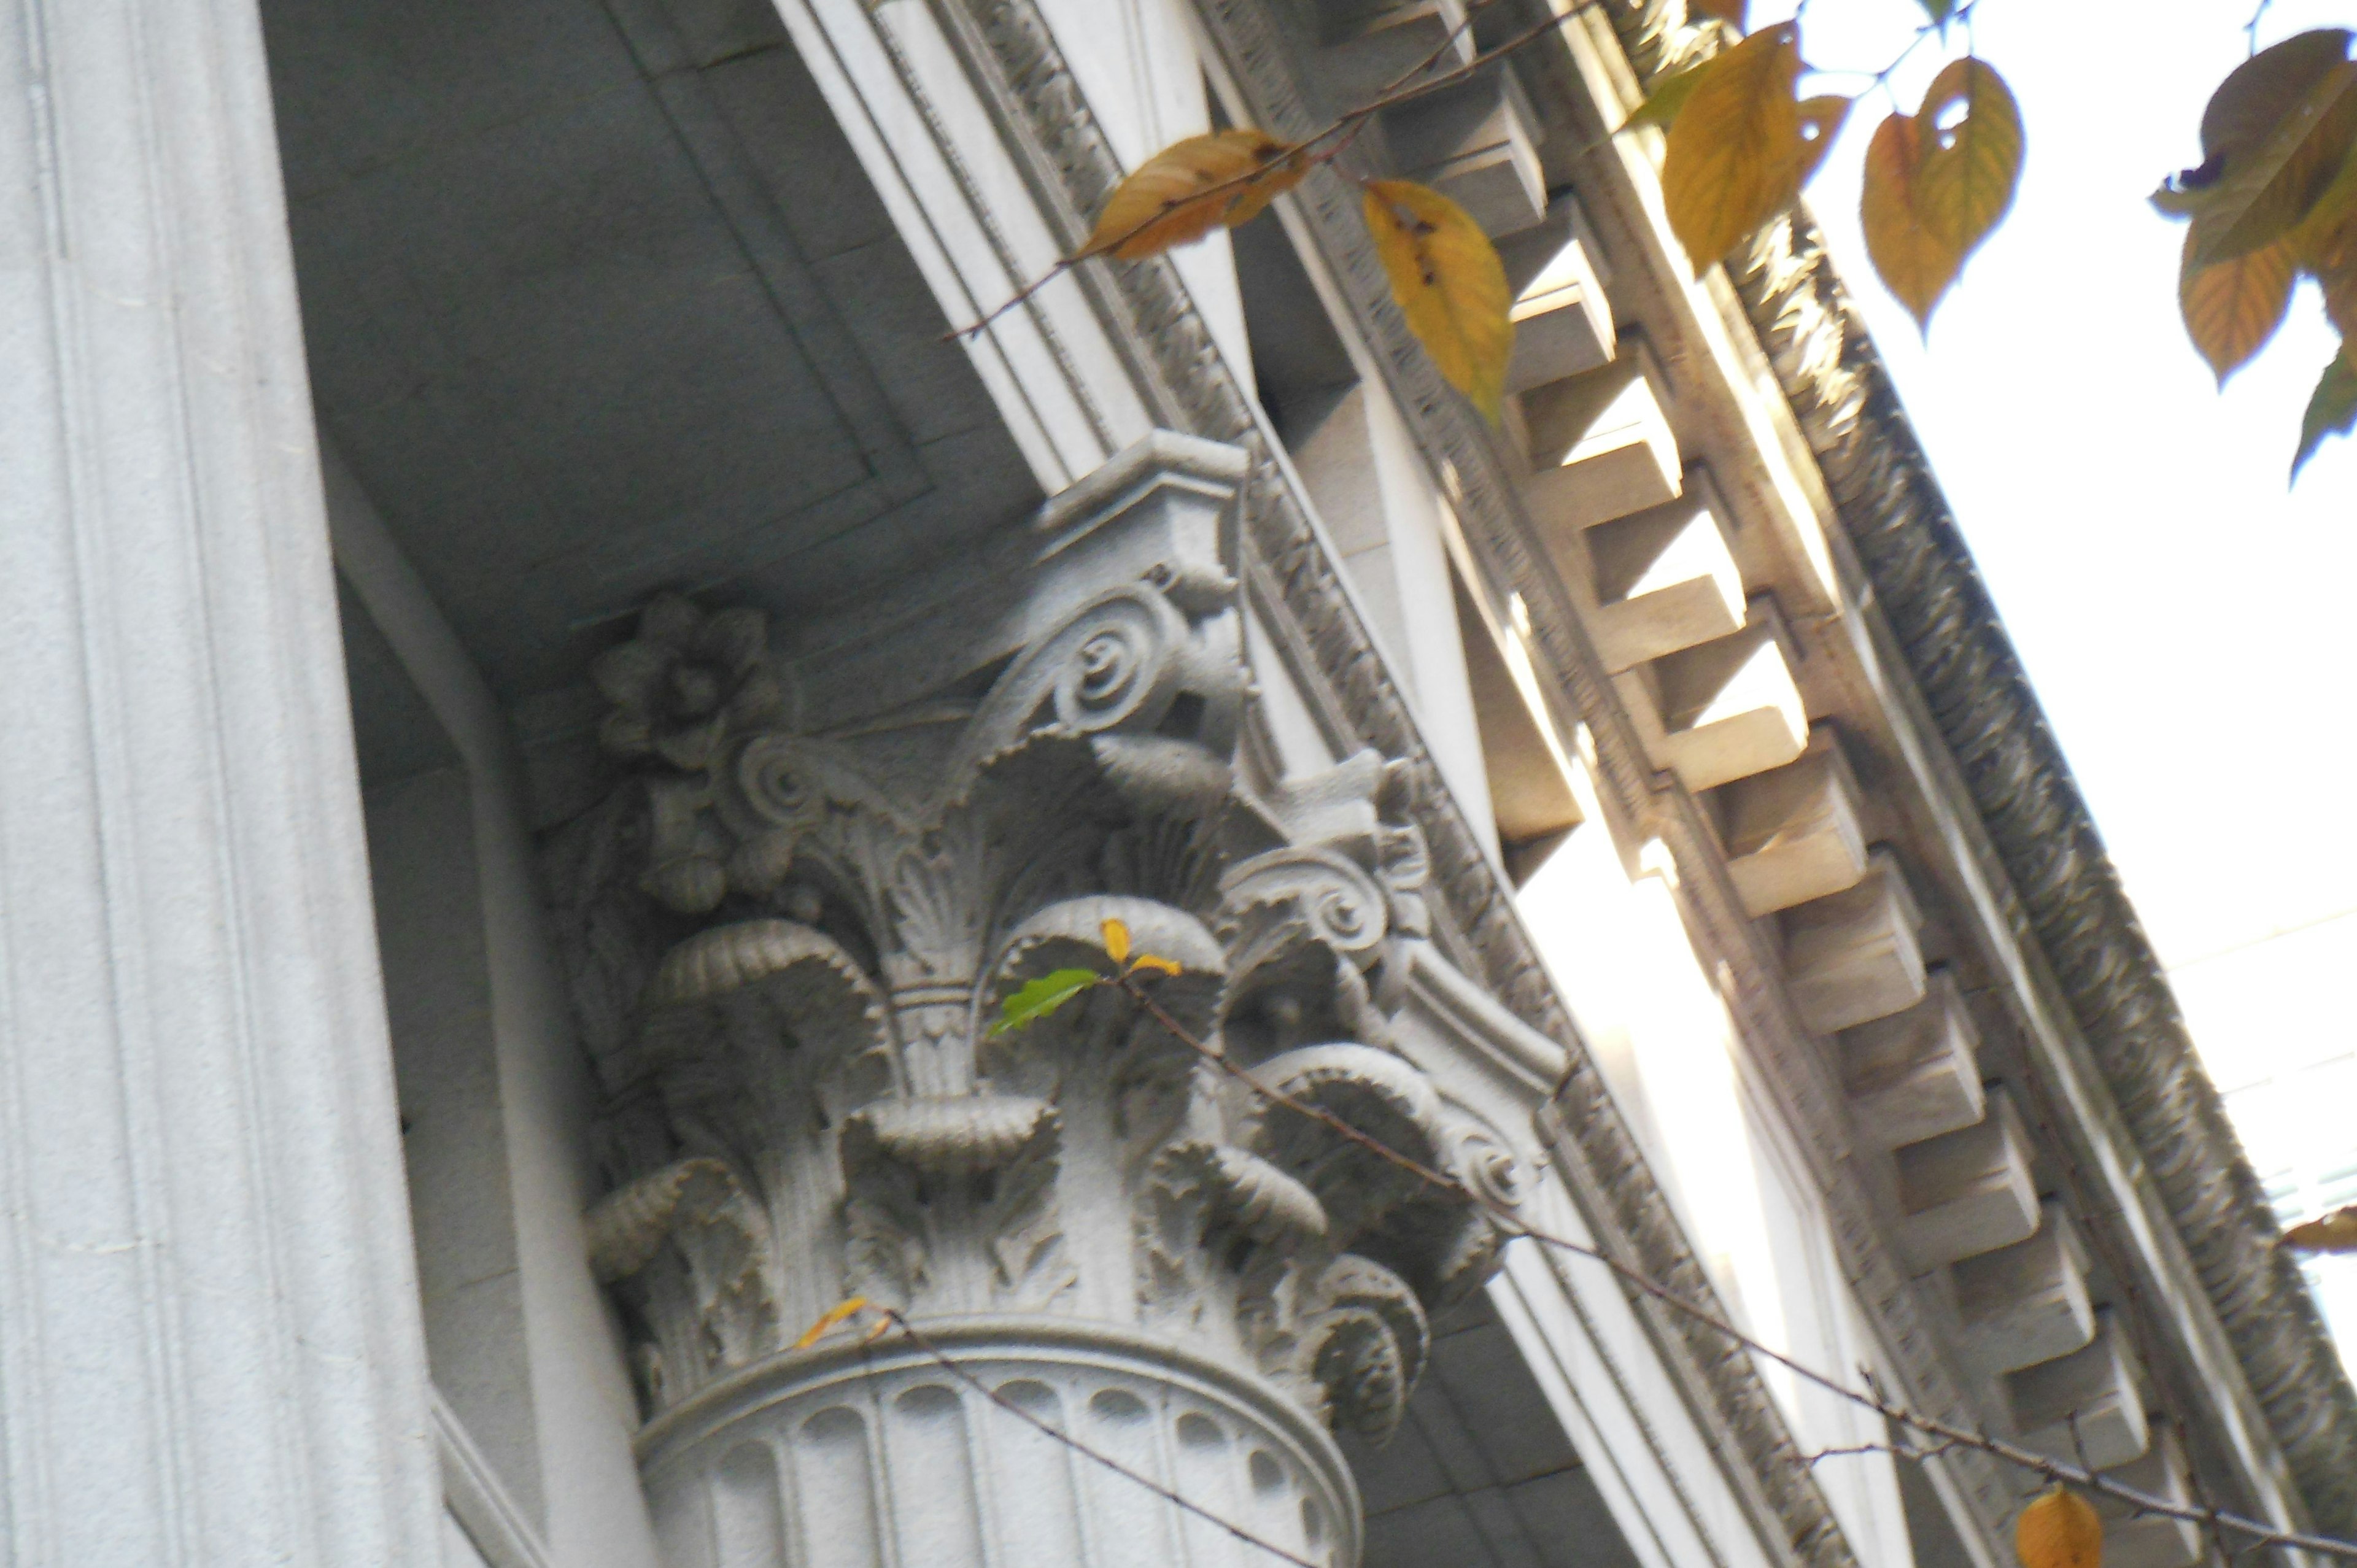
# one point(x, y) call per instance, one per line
point(784, 948)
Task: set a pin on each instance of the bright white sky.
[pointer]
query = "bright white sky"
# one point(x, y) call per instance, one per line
point(2186, 619)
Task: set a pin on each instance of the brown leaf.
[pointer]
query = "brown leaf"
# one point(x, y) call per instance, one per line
point(1932, 192)
point(1731, 12)
point(2245, 109)
point(2274, 137)
point(1914, 262)
point(2332, 256)
point(1447, 279)
point(2059, 1530)
point(2337, 1231)
point(1190, 188)
point(1735, 152)
point(2232, 307)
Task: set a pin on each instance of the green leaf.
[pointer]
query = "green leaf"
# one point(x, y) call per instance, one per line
point(1042, 996)
point(2331, 409)
point(1940, 11)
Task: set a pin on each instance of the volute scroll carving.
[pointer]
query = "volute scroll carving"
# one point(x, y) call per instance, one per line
point(788, 945)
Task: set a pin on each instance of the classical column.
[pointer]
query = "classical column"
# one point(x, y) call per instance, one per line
point(208, 1345)
point(792, 922)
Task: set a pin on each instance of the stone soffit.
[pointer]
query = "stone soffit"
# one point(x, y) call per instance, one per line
point(598, 301)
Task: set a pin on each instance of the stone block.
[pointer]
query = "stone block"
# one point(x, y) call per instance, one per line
point(1599, 446)
point(1526, 756)
point(1476, 144)
point(1793, 833)
point(1721, 710)
point(1369, 44)
point(1852, 958)
point(2150, 1541)
point(1563, 322)
point(2084, 1408)
point(1967, 1192)
point(1664, 579)
point(2027, 1303)
point(1915, 1074)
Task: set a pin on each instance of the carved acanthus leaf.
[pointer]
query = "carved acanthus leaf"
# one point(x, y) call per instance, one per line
point(951, 1136)
point(1366, 1341)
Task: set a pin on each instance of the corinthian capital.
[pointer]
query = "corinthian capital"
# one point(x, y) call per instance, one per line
point(789, 946)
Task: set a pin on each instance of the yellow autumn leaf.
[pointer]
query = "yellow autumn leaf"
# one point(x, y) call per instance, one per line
point(830, 1319)
point(1155, 961)
point(2232, 307)
point(1937, 182)
point(2059, 1530)
point(1735, 152)
point(1669, 95)
point(1449, 284)
point(1821, 122)
point(1190, 188)
point(2335, 1232)
point(1117, 940)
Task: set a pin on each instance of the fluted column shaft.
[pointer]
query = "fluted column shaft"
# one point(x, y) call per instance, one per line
point(208, 1345)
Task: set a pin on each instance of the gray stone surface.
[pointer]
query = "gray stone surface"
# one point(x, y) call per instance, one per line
point(479, 952)
point(600, 302)
point(209, 1348)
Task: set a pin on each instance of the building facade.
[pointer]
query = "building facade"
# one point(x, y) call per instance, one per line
point(566, 657)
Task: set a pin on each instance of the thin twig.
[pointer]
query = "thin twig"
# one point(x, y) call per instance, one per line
point(1896, 1450)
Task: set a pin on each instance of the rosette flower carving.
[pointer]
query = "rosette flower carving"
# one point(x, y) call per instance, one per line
point(685, 683)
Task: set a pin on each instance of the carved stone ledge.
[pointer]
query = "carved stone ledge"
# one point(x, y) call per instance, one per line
point(1599, 448)
point(1563, 320)
point(1476, 143)
point(1853, 957)
point(2085, 1408)
point(1967, 1192)
point(1916, 1073)
point(1722, 710)
point(1793, 833)
point(2027, 1303)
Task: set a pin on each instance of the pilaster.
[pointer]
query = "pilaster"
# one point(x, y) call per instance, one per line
point(209, 1351)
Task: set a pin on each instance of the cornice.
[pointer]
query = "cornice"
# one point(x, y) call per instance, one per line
point(2069, 909)
point(2072, 908)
